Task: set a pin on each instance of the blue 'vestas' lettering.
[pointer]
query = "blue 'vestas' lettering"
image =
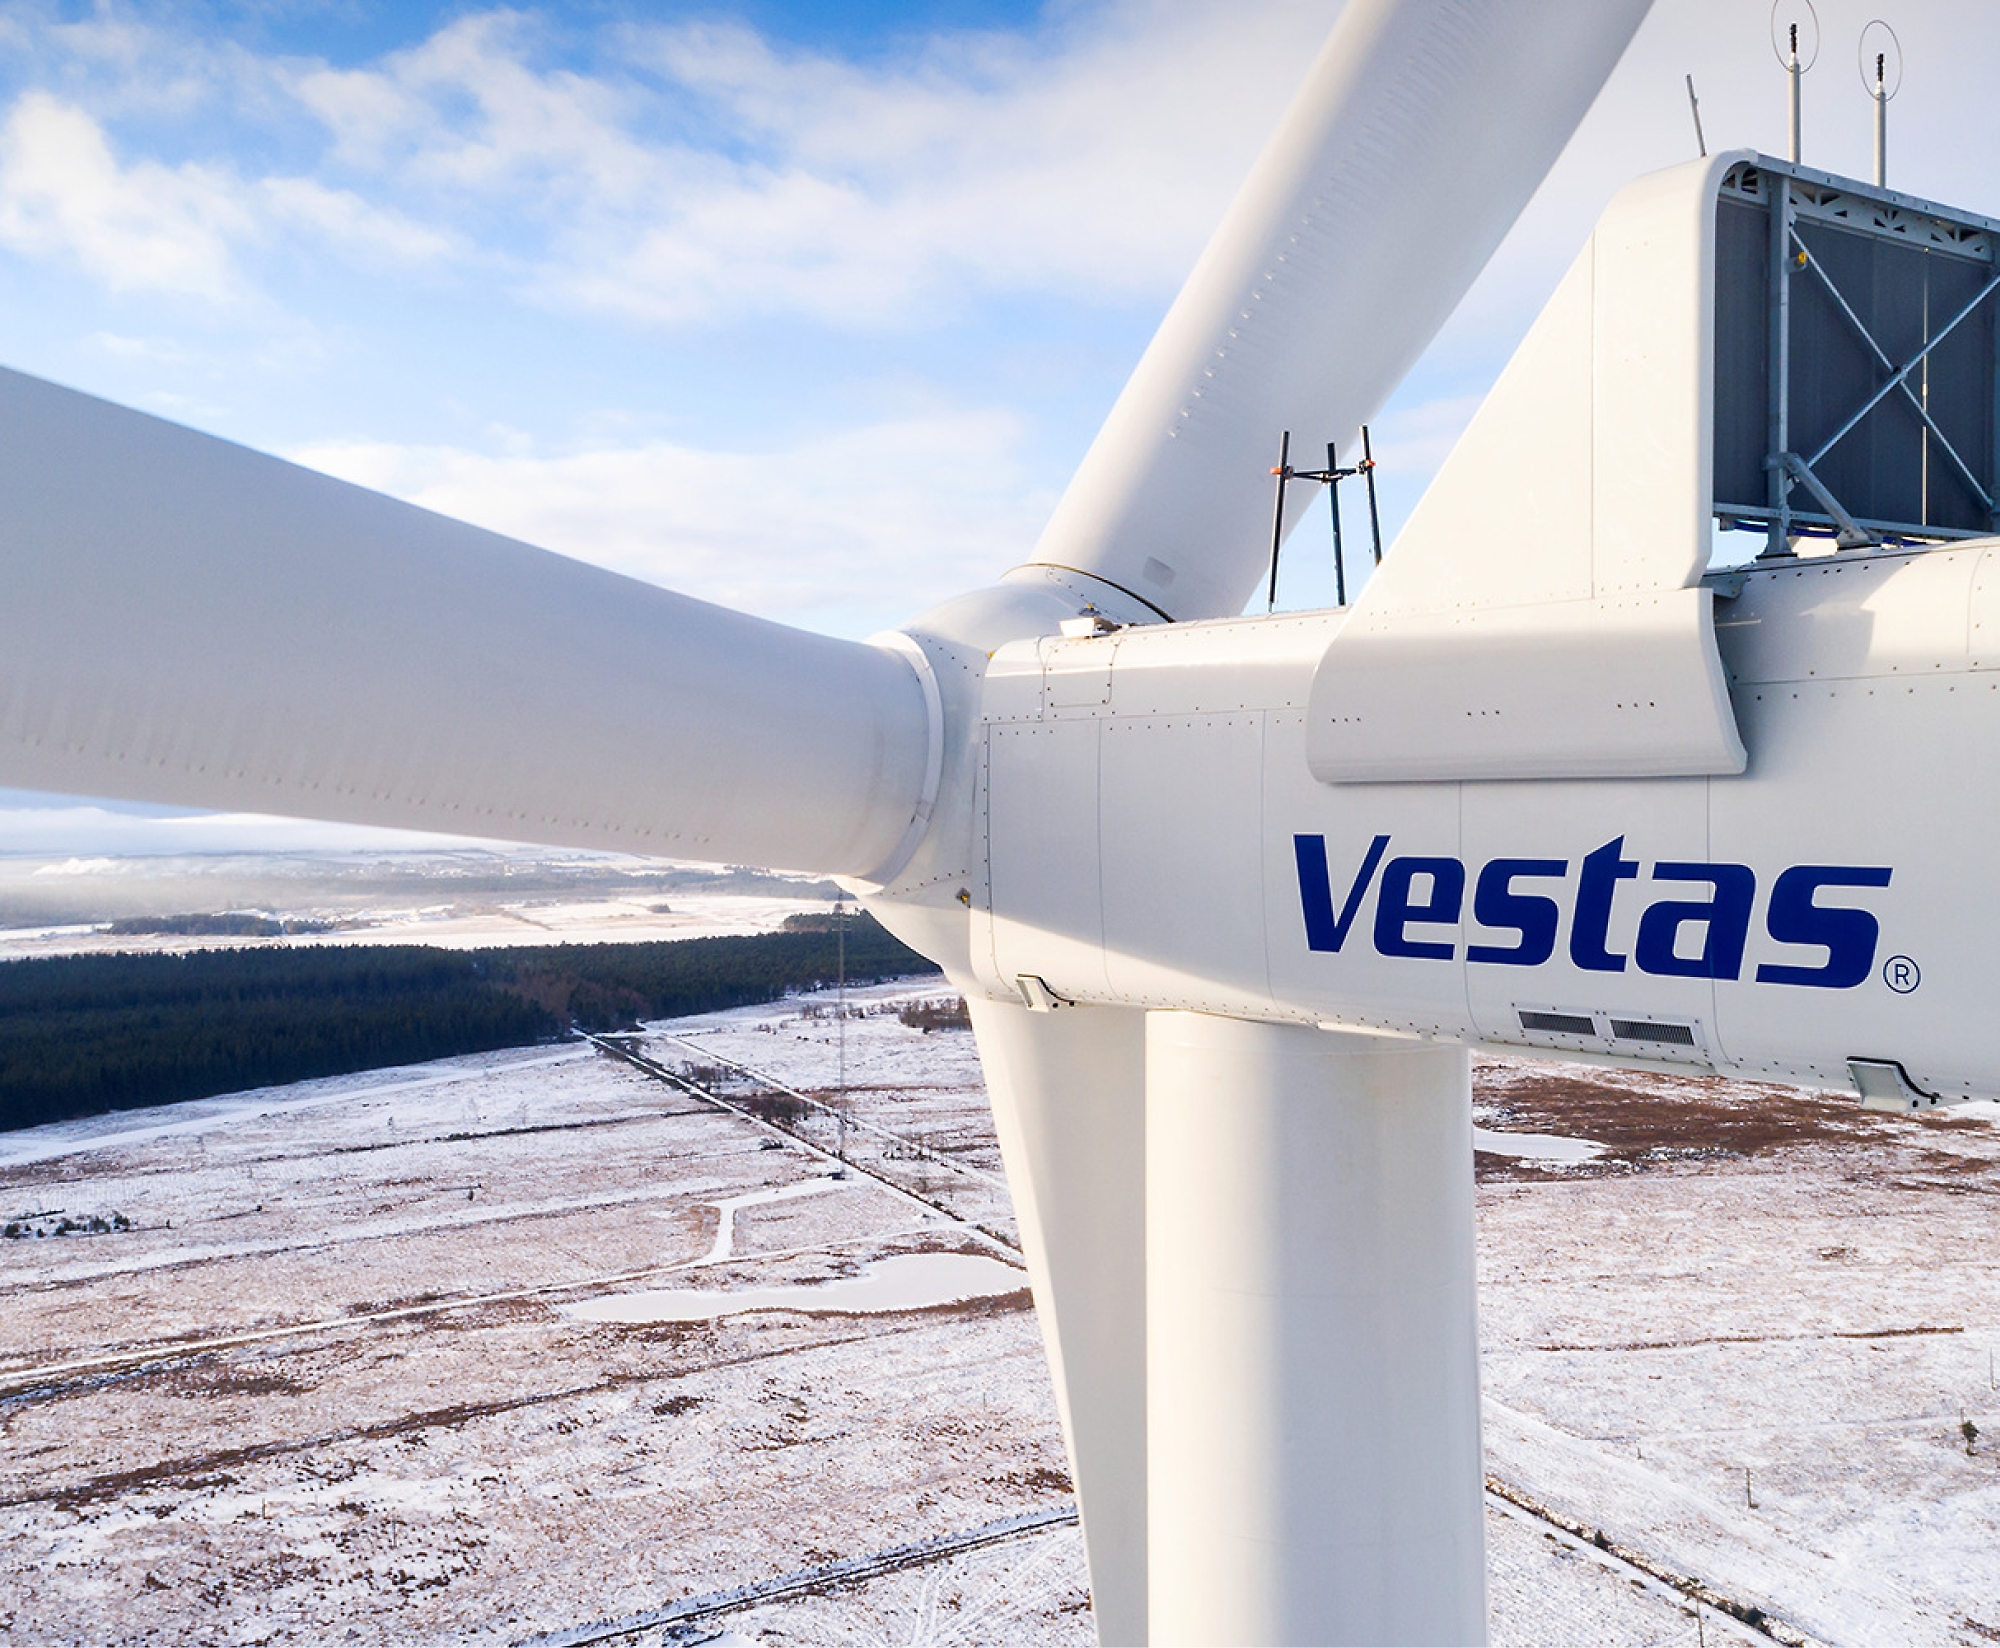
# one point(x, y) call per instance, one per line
point(1848, 935)
point(1395, 910)
point(1725, 919)
point(1602, 871)
point(1418, 892)
point(1325, 930)
point(1533, 916)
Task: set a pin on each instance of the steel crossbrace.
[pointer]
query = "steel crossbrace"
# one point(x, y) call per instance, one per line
point(1899, 377)
point(1852, 534)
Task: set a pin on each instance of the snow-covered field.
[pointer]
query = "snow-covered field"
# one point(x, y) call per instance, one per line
point(463, 899)
point(502, 1346)
point(1748, 1338)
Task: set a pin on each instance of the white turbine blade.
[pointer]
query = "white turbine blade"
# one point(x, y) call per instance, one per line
point(184, 620)
point(1420, 133)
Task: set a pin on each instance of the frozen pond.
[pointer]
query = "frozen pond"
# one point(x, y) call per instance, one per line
point(908, 1281)
point(1536, 1147)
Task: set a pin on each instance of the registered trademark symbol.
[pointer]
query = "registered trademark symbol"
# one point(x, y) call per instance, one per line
point(1901, 975)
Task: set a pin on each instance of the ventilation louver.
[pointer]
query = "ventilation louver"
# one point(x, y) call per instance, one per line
point(1673, 1035)
point(1558, 1024)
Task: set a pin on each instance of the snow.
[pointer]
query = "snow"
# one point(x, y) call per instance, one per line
point(1548, 1589)
point(911, 1281)
point(125, 1129)
point(1535, 1147)
point(464, 899)
point(471, 926)
point(1741, 1555)
point(387, 1355)
point(724, 1245)
point(1777, 1283)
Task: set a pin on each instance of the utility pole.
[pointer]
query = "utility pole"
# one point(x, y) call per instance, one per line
point(840, 1020)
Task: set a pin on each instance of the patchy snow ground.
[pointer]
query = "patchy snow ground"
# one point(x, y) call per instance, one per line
point(382, 1360)
point(464, 925)
point(463, 899)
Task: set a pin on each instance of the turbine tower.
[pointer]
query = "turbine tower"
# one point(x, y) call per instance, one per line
point(1229, 899)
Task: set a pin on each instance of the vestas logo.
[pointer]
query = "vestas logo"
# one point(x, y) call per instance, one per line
point(1419, 893)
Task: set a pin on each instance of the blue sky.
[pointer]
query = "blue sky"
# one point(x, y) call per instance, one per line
point(806, 308)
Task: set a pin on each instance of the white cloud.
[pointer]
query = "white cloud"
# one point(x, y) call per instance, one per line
point(145, 226)
point(691, 175)
point(363, 232)
point(467, 110)
point(1093, 165)
point(712, 176)
point(140, 225)
point(164, 351)
point(699, 176)
point(889, 517)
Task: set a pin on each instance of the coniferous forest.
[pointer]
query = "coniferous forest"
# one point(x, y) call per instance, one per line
point(81, 1035)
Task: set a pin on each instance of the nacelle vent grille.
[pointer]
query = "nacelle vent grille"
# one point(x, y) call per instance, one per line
point(1558, 1024)
point(1673, 1035)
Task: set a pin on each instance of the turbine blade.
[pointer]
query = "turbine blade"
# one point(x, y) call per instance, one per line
point(1419, 135)
point(184, 620)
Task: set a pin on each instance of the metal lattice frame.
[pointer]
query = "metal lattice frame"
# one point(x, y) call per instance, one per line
point(1791, 195)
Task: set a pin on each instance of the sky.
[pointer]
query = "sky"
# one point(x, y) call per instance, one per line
point(809, 309)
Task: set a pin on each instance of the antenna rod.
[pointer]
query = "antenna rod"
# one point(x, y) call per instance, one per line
point(1284, 474)
point(1333, 503)
point(1881, 126)
point(1374, 517)
point(1792, 74)
point(1694, 108)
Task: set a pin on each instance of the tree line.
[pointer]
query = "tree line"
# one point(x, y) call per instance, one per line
point(82, 1035)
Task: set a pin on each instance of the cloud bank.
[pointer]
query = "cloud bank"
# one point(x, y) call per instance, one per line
point(811, 332)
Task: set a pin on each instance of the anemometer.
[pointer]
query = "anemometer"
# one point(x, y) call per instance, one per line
point(1329, 477)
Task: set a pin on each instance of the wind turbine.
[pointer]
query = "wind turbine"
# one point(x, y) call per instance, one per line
point(1230, 899)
